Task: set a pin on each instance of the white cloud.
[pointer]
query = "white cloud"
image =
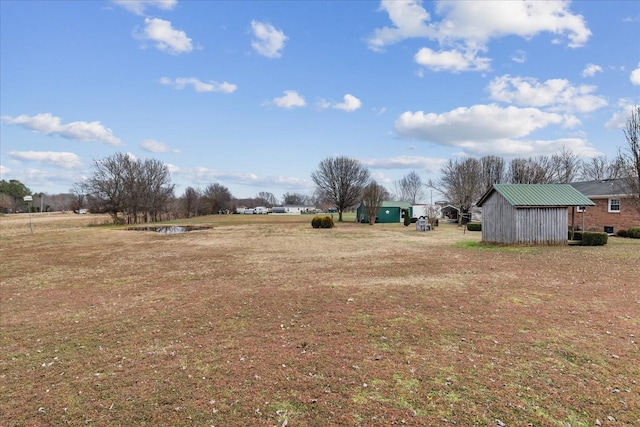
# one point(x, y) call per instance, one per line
point(166, 38)
point(479, 122)
point(350, 103)
point(619, 119)
point(451, 60)
point(48, 124)
point(198, 85)
point(489, 129)
point(635, 76)
point(482, 21)
point(139, 6)
point(409, 20)
point(153, 146)
point(465, 27)
point(430, 164)
point(590, 70)
point(290, 99)
point(63, 160)
point(520, 56)
point(173, 169)
point(204, 176)
point(268, 40)
point(554, 94)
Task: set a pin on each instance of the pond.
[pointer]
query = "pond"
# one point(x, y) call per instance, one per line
point(170, 229)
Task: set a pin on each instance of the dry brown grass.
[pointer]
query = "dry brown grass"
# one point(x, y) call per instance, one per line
point(266, 321)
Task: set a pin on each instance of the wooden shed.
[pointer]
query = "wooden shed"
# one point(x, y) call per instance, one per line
point(528, 213)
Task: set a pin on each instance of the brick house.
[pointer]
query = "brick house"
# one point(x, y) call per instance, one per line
point(614, 210)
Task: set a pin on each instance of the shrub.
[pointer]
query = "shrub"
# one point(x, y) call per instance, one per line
point(407, 218)
point(594, 238)
point(316, 222)
point(634, 233)
point(577, 235)
point(474, 226)
point(622, 233)
point(327, 222)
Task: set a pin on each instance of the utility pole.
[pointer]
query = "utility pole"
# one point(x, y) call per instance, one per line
point(29, 200)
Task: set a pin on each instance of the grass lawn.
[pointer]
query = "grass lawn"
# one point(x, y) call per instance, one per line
point(264, 321)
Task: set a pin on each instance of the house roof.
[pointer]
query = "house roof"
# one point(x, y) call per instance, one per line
point(450, 207)
point(533, 195)
point(602, 188)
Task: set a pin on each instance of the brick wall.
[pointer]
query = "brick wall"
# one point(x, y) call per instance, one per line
point(597, 217)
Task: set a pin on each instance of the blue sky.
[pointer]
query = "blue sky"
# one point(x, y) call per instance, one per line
point(254, 94)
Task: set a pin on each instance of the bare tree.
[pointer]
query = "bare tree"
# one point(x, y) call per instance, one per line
point(460, 183)
point(493, 171)
point(191, 201)
point(266, 199)
point(122, 184)
point(79, 197)
point(105, 188)
point(216, 198)
point(410, 188)
point(564, 167)
point(156, 190)
point(340, 180)
point(373, 196)
point(530, 171)
point(600, 168)
point(295, 199)
point(630, 156)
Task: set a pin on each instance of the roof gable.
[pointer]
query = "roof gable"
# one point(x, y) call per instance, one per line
point(530, 195)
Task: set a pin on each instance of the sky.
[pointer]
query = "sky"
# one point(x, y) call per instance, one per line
point(253, 95)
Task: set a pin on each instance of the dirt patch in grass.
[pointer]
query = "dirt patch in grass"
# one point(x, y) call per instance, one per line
point(263, 320)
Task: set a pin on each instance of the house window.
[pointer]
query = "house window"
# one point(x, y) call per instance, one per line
point(614, 205)
point(579, 208)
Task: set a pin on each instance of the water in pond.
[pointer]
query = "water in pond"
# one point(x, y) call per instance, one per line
point(169, 229)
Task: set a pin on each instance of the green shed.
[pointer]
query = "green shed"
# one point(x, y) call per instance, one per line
point(390, 212)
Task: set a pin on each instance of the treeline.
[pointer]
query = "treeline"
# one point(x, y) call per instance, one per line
point(464, 181)
point(134, 191)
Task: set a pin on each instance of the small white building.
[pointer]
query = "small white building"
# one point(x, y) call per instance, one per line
point(292, 210)
point(426, 210)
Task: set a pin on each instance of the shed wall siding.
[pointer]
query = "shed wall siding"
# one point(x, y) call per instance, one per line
point(503, 223)
point(498, 220)
point(542, 225)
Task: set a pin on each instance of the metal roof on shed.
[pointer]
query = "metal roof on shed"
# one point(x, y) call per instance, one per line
point(522, 195)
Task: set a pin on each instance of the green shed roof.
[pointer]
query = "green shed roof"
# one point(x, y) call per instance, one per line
point(391, 204)
point(521, 195)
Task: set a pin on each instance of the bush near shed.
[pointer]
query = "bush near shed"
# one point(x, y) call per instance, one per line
point(633, 233)
point(474, 226)
point(593, 238)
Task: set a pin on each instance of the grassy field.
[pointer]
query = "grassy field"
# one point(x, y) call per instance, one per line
point(264, 321)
